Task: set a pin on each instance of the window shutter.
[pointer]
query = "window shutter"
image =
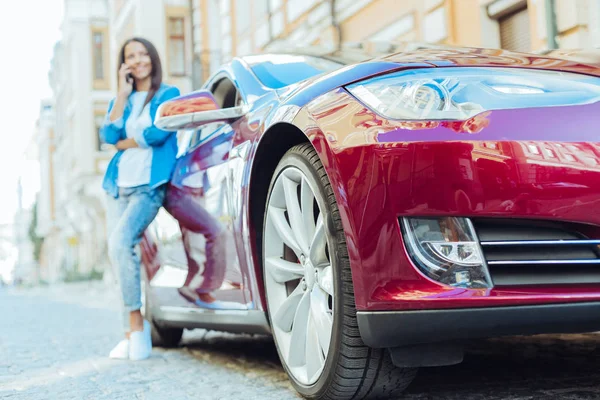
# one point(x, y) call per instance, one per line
point(515, 34)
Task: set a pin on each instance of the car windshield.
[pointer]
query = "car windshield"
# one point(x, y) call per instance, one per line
point(278, 70)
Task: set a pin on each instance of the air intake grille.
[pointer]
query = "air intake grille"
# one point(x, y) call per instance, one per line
point(538, 253)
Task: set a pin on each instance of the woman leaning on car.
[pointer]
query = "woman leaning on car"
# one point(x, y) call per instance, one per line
point(135, 179)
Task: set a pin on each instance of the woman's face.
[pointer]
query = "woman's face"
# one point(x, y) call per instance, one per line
point(138, 59)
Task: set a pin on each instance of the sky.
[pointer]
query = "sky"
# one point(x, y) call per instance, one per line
point(28, 32)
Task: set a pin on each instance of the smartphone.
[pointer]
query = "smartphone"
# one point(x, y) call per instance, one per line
point(129, 78)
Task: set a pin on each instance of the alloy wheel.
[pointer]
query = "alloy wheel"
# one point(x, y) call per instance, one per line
point(298, 275)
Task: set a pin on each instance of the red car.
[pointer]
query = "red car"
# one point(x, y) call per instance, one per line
point(375, 213)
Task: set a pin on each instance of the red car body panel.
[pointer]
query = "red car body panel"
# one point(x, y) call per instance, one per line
point(485, 167)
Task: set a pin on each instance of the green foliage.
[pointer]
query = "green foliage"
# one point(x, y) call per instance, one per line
point(35, 239)
point(73, 275)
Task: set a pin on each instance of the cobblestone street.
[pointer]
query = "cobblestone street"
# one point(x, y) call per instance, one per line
point(54, 341)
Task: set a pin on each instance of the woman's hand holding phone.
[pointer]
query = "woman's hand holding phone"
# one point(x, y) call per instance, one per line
point(125, 89)
point(125, 80)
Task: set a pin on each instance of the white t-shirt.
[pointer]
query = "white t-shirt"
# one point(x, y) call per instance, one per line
point(135, 164)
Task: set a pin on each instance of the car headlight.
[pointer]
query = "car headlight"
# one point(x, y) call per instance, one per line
point(447, 250)
point(459, 93)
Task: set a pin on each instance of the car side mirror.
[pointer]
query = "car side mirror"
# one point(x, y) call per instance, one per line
point(194, 110)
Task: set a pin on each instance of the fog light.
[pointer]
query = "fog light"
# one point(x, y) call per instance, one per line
point(447, 250)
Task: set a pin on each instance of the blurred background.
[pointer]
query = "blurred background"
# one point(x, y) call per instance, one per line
point(59, 67)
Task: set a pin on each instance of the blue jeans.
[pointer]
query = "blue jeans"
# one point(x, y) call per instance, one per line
point(127, 218)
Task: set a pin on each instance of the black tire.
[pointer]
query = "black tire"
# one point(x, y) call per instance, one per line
point(352, 369)
point(161, 336)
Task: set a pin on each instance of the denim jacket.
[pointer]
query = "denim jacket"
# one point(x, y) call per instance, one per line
point(163, 143)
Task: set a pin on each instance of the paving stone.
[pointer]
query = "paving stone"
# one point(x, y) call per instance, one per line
point(54, 343)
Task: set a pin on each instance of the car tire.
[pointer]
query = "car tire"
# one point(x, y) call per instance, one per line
point(351, 369)
point(161, 336)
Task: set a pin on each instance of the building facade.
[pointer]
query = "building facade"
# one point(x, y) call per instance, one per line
point(49, 262)
point(223, 29)
point(83, 79)
point(194, 37)
point(80, 80)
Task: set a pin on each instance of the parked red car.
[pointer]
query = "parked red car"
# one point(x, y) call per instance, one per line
point(376, 215)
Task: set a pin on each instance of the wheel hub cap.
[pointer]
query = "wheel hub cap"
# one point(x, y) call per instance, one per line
point(310, 275)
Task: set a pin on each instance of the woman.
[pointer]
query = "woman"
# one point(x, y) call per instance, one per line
point(135, 178)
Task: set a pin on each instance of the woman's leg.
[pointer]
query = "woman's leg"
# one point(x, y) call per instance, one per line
point(114, 210)
point(143, 204)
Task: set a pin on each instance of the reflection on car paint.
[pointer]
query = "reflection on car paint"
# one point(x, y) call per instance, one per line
point(526, 164)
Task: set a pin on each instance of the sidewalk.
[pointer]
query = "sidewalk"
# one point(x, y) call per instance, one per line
point(54, 342)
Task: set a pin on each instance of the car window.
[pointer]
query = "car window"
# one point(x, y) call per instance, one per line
point(277, 71)
point(225, 92)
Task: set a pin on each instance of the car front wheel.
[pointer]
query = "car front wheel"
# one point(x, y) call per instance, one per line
point(309, 290)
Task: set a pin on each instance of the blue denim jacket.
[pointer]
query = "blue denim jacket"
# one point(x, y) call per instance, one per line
point(163, 143)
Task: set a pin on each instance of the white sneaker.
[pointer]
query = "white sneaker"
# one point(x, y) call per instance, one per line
point(140, 343)
point(121, 350)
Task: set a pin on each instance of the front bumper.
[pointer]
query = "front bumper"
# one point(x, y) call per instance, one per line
point(386, 329)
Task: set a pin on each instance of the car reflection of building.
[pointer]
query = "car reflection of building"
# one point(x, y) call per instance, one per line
point(539, 162)
point(506, 174)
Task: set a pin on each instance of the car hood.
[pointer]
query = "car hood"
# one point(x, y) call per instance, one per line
point(380, 59)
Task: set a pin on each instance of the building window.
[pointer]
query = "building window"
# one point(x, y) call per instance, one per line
point(176, 46)
point(395, 30)
point(242, 16)
point(99, 57)
point(275, 4)
point(296, 8)
point(277, 23)
point(515, 32)
point(226, 24)
point(224, 6)
point(262, 36)
point(514, 23)
point(226, 44)
point(435, 27)
point(244, 47)
point(261, 10)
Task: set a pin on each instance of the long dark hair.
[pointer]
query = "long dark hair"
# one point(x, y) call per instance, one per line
point(156, 74)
